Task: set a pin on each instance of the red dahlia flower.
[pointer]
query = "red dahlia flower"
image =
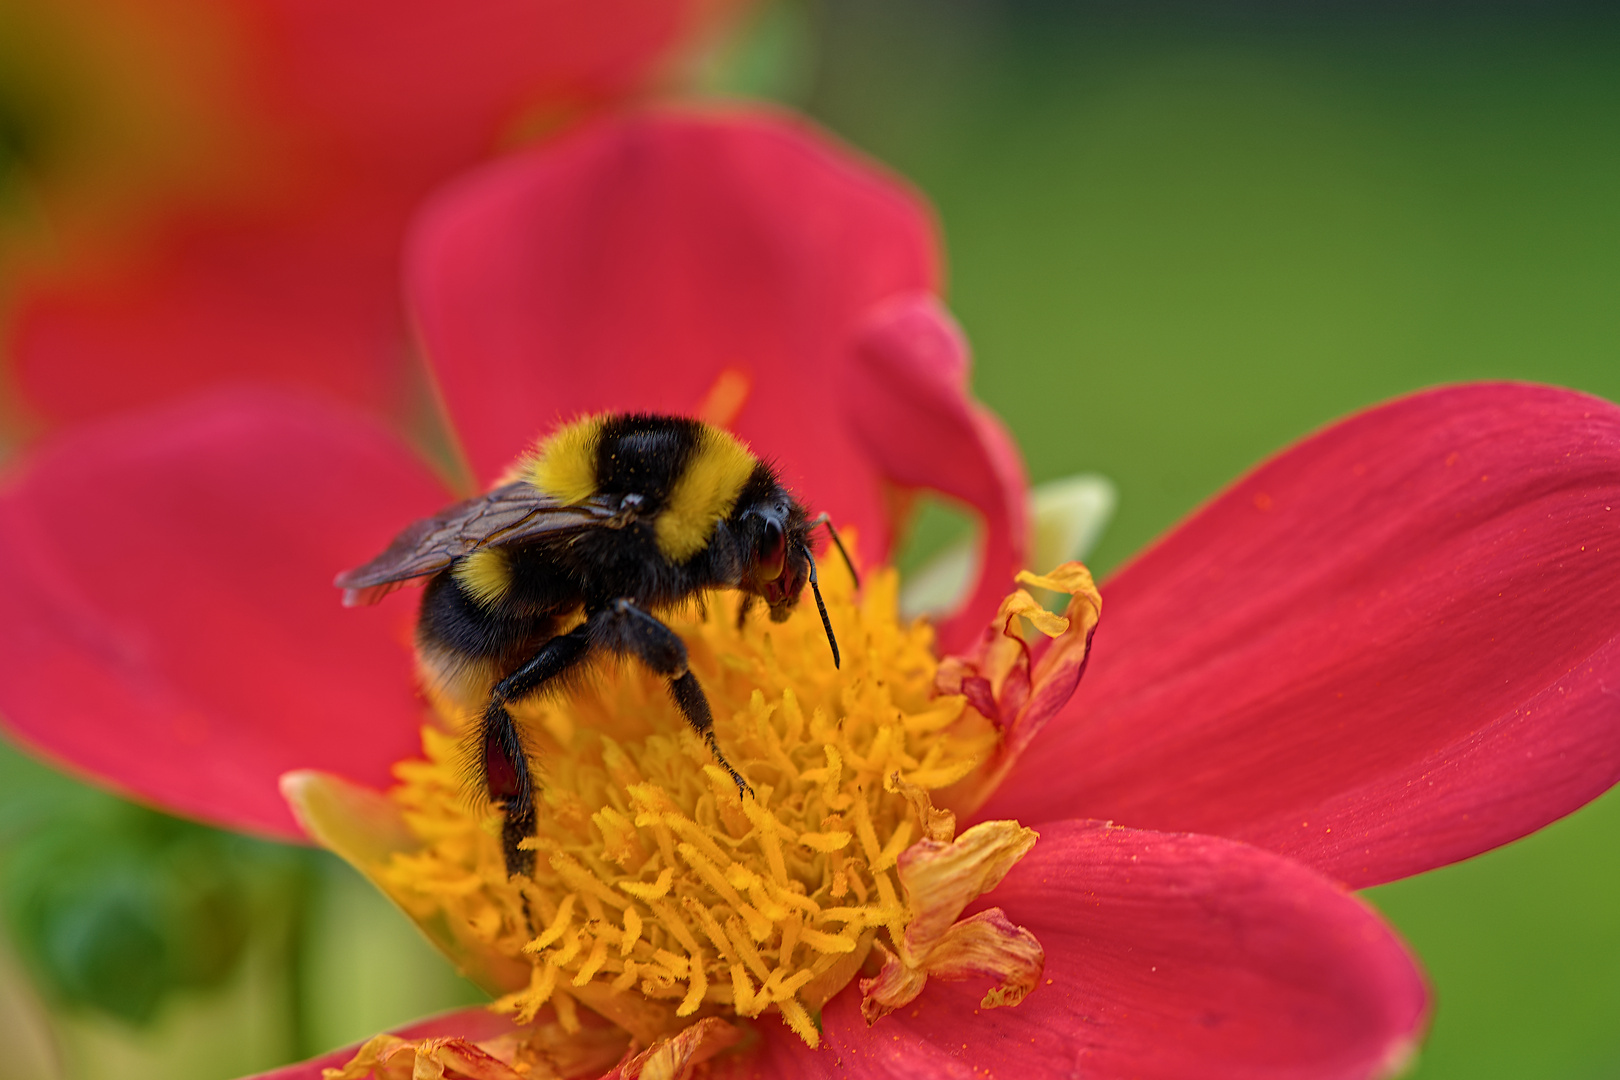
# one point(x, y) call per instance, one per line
point(1394, 639)
point(230, 187)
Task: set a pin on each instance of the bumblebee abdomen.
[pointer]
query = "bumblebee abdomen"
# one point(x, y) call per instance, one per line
point(464, 644)
point(485, 576)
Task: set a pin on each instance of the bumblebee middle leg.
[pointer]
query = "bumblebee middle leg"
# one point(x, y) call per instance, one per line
point(504, 765)
point(624, 628)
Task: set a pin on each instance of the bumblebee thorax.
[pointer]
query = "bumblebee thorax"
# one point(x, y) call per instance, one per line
point(689, 474)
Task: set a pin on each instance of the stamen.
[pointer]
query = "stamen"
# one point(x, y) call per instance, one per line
point(658, 894)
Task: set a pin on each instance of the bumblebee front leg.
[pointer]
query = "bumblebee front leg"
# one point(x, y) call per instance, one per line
point(624, 628)
point(504, 765)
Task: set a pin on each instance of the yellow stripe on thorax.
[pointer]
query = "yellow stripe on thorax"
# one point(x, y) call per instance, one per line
point(486, 575)
point(565, 466)
point(705, 493)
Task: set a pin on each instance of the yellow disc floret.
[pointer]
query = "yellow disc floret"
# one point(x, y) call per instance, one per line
point(660, 894)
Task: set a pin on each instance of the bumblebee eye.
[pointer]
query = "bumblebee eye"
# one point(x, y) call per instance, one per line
point(772, 552)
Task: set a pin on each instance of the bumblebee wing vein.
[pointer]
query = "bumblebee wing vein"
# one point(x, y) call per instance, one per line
point(506, 515)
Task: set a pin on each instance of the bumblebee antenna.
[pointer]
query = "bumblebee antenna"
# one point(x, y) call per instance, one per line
point(825, 519)
point(826, 623)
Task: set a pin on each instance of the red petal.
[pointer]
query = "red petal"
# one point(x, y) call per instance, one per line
point(1166, 956)
point(475, 1024)
point(1169, 956)
point(171, 621)
point(1392, 647)
point(400, 81)
point(313, 303)
point(778, 1054)
point(907, 400)
point(346, 115)
point(635, 264)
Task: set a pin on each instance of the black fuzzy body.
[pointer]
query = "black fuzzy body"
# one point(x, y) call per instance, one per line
point(468, 645)
point(599, 589)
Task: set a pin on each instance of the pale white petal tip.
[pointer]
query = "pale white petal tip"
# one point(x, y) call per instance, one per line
point(941, 583)
point(1069, 515)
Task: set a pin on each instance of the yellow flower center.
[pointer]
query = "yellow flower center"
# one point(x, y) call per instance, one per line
point(659, 894)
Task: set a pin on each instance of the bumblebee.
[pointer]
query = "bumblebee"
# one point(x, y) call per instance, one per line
point(612, 520)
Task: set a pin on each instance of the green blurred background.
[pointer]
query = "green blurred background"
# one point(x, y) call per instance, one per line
point(1180, 237)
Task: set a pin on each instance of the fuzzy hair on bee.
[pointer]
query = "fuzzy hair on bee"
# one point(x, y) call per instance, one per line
point(611, 522)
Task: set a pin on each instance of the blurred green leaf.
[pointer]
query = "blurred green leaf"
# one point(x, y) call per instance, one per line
point(117, 908)
point(770, 54)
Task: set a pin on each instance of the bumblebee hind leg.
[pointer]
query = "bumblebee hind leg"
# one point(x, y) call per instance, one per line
point(624, 628)
point(505, 766)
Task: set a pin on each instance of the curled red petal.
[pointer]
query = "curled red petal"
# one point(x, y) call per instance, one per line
point(1021, 685)
point(907, 400)
point(651, 262)
point(172, 628)
point(1167, 956)
point(1391, 647)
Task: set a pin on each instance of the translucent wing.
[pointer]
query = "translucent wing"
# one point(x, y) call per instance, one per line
point(512, 512)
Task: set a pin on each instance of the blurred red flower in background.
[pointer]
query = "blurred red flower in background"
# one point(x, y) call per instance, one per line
point(792, 300)
point(1387, 649)
point(226, 185)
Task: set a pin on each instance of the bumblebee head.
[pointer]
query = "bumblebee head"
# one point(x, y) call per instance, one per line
point(776, 553)
point(777, 560)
